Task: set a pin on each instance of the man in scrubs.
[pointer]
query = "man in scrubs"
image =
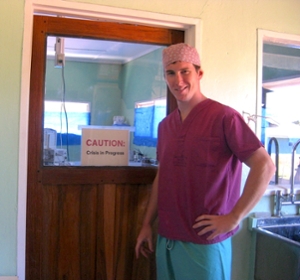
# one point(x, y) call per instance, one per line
point(196, 192)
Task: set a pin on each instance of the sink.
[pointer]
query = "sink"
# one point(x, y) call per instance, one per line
point(277, 255)
point(287, 233)
point(285, 228)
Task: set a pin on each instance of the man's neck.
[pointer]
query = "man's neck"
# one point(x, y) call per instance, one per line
point(186, 107)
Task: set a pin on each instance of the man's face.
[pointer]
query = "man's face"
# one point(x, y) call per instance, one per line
point(183, 80)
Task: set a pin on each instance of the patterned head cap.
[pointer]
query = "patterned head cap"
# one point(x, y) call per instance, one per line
point(180, 52)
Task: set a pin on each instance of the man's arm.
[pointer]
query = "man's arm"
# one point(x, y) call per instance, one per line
point(261, 171)
point(144, 244)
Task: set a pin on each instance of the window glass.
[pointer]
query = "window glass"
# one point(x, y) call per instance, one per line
point(100, 87)
point(279, 117)
point(147, 116)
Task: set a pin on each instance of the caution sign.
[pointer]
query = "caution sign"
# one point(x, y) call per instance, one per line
point(104, 147)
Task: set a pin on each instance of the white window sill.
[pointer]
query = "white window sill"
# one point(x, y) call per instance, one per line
point(285, 188)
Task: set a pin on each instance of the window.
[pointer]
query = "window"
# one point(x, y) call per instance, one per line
point(66, 117)
point(98, 83)
point(147, 116)
point(278, 118)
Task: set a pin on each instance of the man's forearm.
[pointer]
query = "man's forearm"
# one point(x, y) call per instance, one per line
point(151, 212)
point(261, 171)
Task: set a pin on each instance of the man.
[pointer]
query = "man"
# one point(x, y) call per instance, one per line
point(196, 192)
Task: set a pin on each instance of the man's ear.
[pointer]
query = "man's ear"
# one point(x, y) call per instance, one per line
point(200, 73)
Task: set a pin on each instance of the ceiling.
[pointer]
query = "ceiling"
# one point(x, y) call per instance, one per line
point(280, 62)
point(92, 50)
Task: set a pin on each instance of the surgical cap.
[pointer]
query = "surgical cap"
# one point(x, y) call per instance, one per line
point(180, 52)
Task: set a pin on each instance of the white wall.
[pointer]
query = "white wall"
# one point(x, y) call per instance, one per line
point(228, 50)
point(11, 22)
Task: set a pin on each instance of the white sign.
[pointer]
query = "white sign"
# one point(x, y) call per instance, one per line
point(104, 147)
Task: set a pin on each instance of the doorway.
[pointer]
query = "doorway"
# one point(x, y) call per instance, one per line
point(82, 222)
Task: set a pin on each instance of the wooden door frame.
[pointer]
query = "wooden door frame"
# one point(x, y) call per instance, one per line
point(191, 26)
point(51, 190)
point(58, 26)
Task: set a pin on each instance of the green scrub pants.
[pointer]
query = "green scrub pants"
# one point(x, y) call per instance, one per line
point(177, 260)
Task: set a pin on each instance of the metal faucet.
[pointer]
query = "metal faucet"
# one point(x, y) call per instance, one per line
point(273, 139)
point(293, 168)
point(287, 199)
point(278, 203)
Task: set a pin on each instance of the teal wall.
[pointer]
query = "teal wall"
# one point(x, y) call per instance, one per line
point(80, 78)
point(83, 82)
point(142, 80)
